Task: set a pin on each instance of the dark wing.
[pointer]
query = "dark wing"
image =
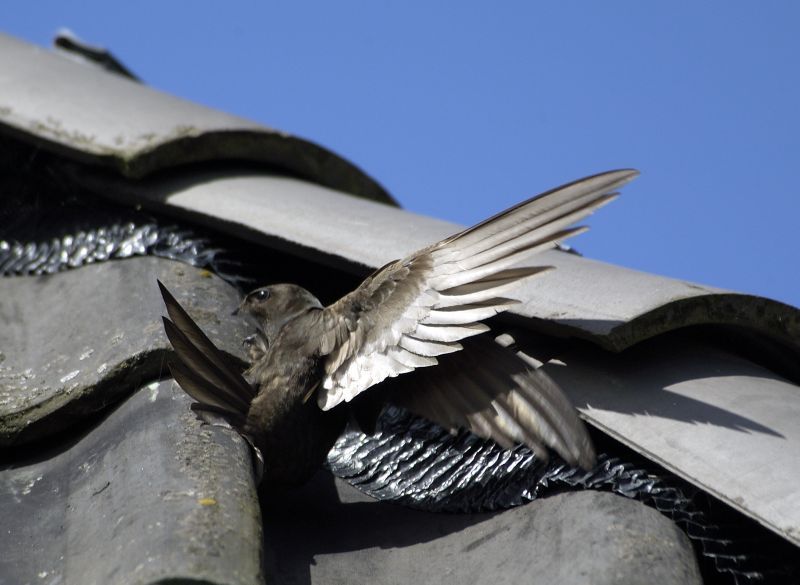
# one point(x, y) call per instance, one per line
point(202, 370)
point(492, 392)
point(415, 309)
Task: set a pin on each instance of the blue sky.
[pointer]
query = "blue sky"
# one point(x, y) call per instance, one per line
point(465, 108)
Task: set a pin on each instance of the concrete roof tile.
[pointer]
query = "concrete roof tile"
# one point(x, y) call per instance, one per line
point(613, 306)
point(75, 342)
point(149, 495)
point(97, 117)
point(716, 419)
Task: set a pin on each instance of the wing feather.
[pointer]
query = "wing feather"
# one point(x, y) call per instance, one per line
point(427, 347)
point(547, 206)
point(541, 227)
point(467, 313)
point(530, 243)
point(489, 287)
point(448, 279)
point(201, 344)
point(473, 414)
point(489, 390)
point(411, 359)
point(205, 368)
point(449, 333)
point(201, 369)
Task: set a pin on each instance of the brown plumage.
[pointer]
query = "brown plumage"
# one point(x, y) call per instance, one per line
point(311, 362)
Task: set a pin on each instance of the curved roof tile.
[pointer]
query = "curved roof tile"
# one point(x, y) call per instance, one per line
point(96, 117)
point(80, 340)
point(149, 495)
point(612, 306)
point(712, 417)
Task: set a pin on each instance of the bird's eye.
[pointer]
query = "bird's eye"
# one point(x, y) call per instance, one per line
point(261, 295)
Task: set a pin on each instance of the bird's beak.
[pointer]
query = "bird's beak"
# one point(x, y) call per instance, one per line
point(236, 311)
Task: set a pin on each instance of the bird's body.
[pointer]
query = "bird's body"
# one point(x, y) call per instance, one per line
point(293, 434)
point(312, 362)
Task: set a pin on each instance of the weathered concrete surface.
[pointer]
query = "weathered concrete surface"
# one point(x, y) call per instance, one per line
point(718, 420)
point(151, 495)
point(100, 118)
point(75, 342)
point(329, 533)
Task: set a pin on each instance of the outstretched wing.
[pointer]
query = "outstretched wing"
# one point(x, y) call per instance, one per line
point(492, 392)
point(412, 310)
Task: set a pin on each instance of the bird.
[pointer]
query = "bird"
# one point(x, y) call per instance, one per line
point(412, 333)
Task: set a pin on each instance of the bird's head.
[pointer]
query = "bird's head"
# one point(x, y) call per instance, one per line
point(273, 306)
